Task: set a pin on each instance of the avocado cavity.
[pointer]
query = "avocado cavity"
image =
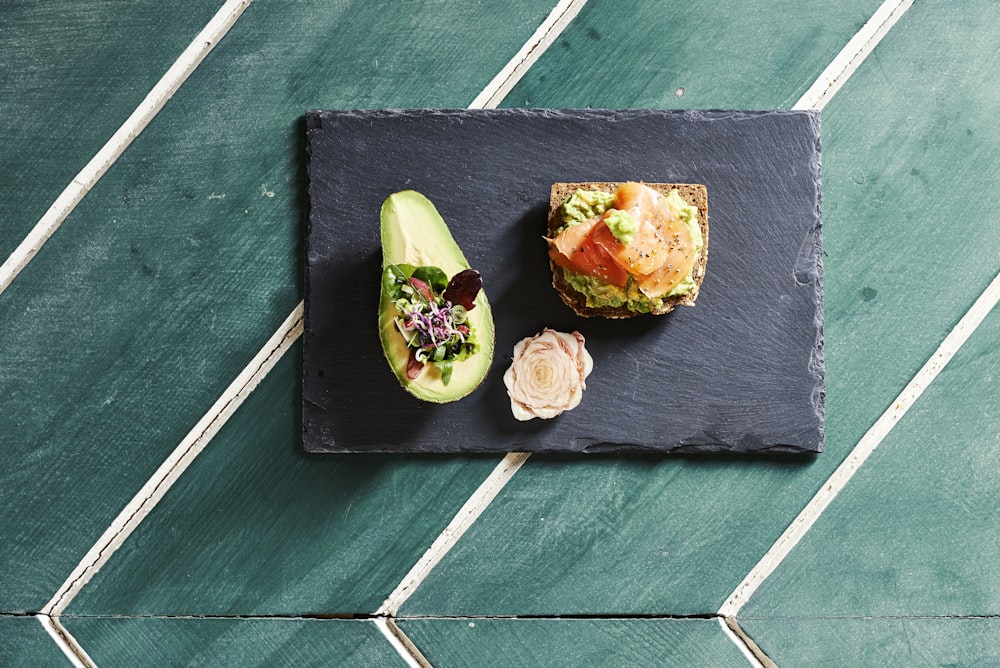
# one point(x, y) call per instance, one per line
point(419, 256)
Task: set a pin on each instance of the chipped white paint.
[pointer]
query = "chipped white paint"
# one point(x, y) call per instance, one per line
point(170, 470)
point(289, 332)
point(459, 524)
point(66, 642)
point(537, 44)
point(92, 172)
point(865, 447)
point(823, 89)
point(395, 636)
point(729, 633)
point(853, 54)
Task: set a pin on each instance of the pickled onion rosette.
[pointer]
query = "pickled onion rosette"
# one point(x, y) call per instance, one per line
point(548, 375)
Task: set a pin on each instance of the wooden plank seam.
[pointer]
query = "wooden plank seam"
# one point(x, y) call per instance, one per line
point(400, 642)
point(829, 82)
point(169, 471)
point(744, 648)
point(66, 642)
point(456, 528)
point(81, 184)
point(864, 448)
point(853, 54)
point(553, 25)
point(137, 121)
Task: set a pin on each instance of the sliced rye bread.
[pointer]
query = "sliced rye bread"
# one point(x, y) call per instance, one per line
point(693, 194)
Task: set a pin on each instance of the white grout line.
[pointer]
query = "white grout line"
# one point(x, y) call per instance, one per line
point(853, 54)
point(171, 469)
point(829, 82)
point(66, 642)
point(871, 440)
point(466, 515)
point(537, 44)
point(498, 88)
point(823, 89)
point(178, 461)
point(81, 184)
point(753, 660)
point(393, 636)
point(495, 91)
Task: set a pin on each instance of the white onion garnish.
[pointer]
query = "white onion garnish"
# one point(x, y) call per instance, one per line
point(548, 374)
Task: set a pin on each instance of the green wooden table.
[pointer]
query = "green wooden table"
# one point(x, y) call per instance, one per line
point(156, 507)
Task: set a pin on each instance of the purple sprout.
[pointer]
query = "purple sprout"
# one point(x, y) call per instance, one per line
point(435, 327)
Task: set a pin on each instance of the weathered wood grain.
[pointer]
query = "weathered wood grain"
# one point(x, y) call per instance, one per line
point(72, 73)
point(930, 548)
point(573, 642)
point(25, 644)
point(184, 259)
point(718, 55)
point(896, 641)
point(256, 527)
point(267, 643)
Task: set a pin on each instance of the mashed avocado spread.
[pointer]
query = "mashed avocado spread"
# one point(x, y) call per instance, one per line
point(597, 292)
point(622, 225)
point(584, 205)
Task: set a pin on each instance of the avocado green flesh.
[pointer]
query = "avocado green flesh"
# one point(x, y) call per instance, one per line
point(585, 204)
point(413, 232)
point(623, 225)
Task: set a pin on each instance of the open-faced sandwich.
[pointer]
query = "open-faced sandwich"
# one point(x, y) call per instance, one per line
point(618, 250)
point(435, 322)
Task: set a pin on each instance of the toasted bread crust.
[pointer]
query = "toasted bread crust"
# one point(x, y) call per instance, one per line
point(693, 194)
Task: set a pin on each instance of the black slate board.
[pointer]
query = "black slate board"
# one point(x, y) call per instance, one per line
point(742, 371)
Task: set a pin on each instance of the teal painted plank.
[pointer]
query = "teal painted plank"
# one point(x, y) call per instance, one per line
point(677, 535)
point(258, 527)
point(906, 176)
point(123, 642)
point(915, 531)
point(177, 267)
point(25, 644)
point(913, 642)
point(610, 536)
point(691, 643)
point(704, 55)
point(72, 73)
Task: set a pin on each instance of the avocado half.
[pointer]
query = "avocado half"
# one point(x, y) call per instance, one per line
point(413, 232)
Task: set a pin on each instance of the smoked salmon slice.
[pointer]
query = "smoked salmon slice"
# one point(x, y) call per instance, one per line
point(659, 256)
point(661, 281)
point(669, 239)
point(576, 249)
point(643, 253)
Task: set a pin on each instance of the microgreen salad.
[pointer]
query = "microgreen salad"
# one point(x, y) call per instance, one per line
point(432, 314)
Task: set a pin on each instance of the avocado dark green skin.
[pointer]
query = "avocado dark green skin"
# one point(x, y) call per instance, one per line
point(413, 232)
